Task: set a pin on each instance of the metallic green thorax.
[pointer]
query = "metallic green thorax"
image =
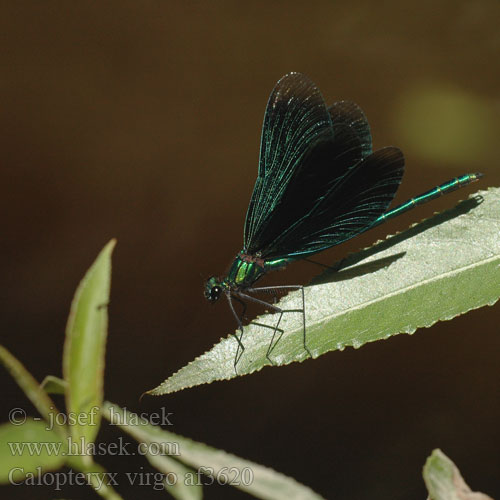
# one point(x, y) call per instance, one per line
point(247, 269)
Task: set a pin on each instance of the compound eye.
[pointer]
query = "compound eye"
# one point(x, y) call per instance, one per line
point(215, 292)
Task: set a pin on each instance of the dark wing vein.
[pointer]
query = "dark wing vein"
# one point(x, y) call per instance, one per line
point(319, 183)
point(350, 207)
point(349, 114)
point(296, 119)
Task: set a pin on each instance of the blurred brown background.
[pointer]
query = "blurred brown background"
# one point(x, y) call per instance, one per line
point(141, 121)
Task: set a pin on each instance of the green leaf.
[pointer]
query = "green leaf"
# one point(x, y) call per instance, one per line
point(54, 385)
point(27, 449)
point(101, 481)
point(254, 479)
point(32, 389)
point(84, 349)
point(177, 477)
point(444, 482)
point(436, 270)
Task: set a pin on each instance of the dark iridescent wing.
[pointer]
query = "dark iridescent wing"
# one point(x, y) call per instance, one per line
point(349, 207)
point(295, 121)
point(318, 173)
point(348, 114)
point(319, 183)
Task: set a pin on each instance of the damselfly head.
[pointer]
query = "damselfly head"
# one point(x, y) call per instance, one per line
point(213, 289)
